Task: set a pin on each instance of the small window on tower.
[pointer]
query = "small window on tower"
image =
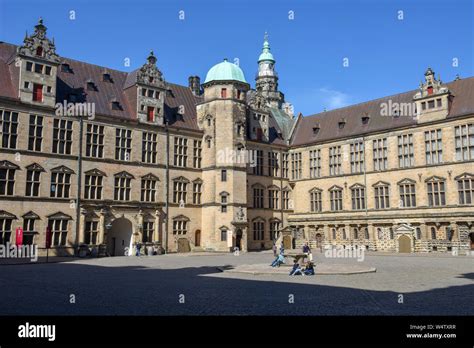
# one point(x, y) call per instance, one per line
point(48, 89)
point(26, 85)
point(423, 106)
point(38, 68)
point(223, 175)
point(39, 51)
point(143, 92)
point(150, 93)
point(157, 95)
point(151, 79)
point(431, 104)
point(430, 90)
point(47, 70)
point(29, 66)
point(224, 93)
point(239, 92)
point(438, 103)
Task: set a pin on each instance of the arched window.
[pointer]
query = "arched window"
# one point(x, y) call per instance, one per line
point(433, 233)
point(356, 233)
point(344, 235)
point(392, 236)
point(418, 233)
point(333, 233)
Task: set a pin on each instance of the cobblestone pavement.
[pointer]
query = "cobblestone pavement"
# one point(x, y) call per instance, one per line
point(402, 285)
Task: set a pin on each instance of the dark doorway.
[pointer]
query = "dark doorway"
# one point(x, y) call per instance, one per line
point(238, 239)
point(197, 238)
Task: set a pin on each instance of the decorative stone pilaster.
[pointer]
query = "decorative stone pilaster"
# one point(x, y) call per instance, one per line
point(156, 229)
point(101, 227)
point(82, 226)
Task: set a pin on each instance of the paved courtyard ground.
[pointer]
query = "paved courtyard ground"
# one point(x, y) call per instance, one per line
point(192, 285)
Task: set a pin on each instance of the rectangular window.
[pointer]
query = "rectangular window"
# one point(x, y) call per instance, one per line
point(123, 144)
point(179, 192)
point(224, 204)
point(91, 232)
point(5, 230)
point(273, 199)
point(32, 183)
point(149, 147)
point(258, 197)
point(197, 153)
point(258, 169)
point(38, 68)
point(122, 188)
point(60, 185)
point(315, 163)
point(273, 164)
point(433, 147)
point(335, 160)
point(180, 152)
point(464, 142)
point(148, 230)
point(62, 136)
point(180, 227)
point(197, 187)
point(94, 141)
point(93, 187)
point(315, 201)
point(223, 175)
point(466, 190)
point(37, 93)
point(406, 156)
point(285, 199)
point(258, 230)
point(358, 198)
point(7, 181)
point(223, 235)
point(436, 193)
point(8, 129)
point(382, 197)
point(357, 157)
point(224, 93)
point(296, 167)
point(380, 154)
point(29, 66)
point(59, 231)
point(148, 193)
point(284, 165)
point(29, 231)
point(407, 195)
point(274, 229)
point(35, 133)
point(336, 199)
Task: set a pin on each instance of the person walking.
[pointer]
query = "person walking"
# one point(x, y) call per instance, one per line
point(307, 251)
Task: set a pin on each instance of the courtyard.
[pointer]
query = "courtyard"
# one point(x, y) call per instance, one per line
point(192, 284)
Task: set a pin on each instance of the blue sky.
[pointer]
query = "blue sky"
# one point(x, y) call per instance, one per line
point(386, 55)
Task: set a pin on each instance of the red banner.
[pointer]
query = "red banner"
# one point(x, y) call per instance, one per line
point(49, 236)
point(19, 236)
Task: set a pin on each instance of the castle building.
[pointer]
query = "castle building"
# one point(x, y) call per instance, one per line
point(105, 159)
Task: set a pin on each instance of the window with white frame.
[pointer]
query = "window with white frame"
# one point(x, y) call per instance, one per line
point(94, 141)
point(149, 147)
point(123, 144)
point(335, 197)
point(335, 160)
point(406, 156)
point(180, 152)
point(122, 186)
point(380, 154)
point(315, 163)
point(62, 136)
point(315, 200)
point(433, 147)
point(436, 192)
point(35, 133)
point(382, 195)
point(358, 197)
point(8, 129)
point(357, 157)
point(407, 193)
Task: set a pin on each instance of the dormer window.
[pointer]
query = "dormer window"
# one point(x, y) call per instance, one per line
point(116, 105)
point(39, 51)
point(107, 78)
point(91, 86)
point(66, 68)
point(316, 130)
point(342, 123)
point(365, 119)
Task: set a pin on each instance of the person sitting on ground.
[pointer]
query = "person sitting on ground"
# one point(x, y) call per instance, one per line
point(278, 261)
point(296, 270)
point(309, 268)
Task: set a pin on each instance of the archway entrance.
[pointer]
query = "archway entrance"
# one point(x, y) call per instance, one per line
point(183, 245)
point(471, 236)
point(197, 238)
point(404, 244)
point(238, 239)
point(119, 238)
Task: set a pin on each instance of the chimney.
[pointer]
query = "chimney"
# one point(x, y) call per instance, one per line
point(195, 85)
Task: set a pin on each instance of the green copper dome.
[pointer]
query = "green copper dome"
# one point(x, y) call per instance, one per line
point(225, 71)
point(266, 55)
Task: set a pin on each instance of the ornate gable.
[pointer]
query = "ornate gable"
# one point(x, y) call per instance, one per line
point(37, 45)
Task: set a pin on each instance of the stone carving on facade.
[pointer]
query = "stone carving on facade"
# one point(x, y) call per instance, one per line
point(240, 214)
point(38, 43)
point(431, 86)
point(149, 74)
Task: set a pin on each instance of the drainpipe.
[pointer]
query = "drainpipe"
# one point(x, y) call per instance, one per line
point(79, 181)
point(167, 188)
point(281, 188)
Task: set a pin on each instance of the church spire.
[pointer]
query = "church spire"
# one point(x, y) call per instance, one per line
point(266, 55)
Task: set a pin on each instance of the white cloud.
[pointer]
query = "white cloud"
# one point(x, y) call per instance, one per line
point(333, 99)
